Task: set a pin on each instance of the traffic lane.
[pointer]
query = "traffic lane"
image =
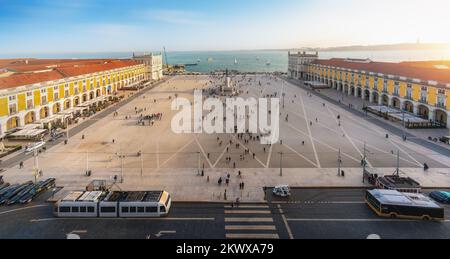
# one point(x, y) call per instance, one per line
point(328, 211)
point(327, 195)
point(361, 230)
point(18, 220)
point(319, 195)
point(338, 210)
point(56, 228)
point(189, 221)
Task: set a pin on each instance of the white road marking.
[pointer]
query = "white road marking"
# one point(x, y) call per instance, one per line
point(176, 153)
point(203, 152)
point(249, 207)
point(251, 227)
point(252, 236)
point(269, 156)
point(247, 220)
point(325, 144)
point(247, 212)
point(286, 224)
point(402, 150)
point(21, 209)
point(245, 147)
point(309, 132)
point(221, 155)
point(300, 155)
point(357, 140)
point(348, 138)
point(359, 220)
point(124, 219)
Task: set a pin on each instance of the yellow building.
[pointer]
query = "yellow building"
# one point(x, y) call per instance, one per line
point(38, 90)
point(421, 88)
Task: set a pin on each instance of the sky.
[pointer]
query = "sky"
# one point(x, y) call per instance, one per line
point(59, 26)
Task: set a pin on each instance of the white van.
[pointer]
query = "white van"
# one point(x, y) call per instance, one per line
point(282, 191)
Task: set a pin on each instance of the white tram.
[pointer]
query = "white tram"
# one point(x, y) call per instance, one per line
point(98, 204)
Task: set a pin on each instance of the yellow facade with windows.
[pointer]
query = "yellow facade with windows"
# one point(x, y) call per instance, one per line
point(28, 106)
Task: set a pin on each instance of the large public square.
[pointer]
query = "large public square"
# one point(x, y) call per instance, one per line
point(311, 140)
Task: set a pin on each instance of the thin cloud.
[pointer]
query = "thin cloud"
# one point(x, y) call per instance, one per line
point(112, 30)
point(173, 16)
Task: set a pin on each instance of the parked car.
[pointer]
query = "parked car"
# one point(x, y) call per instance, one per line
point(441, 196)
point(282, 191)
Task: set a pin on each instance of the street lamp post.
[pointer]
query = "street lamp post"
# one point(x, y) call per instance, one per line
point(198, 163)
point(36, 166)
point(121, 165)
point(281, 164)
point(142, 163)
point(339, 162)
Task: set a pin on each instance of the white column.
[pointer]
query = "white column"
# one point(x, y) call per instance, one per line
point(432, 114)
point(416, 108)
point(448, 120)
point(380, 100)
point(370, 96)
point(391, 101)
point(349, 91)
point(37, 114)
point(21, 119)
point(3, 125)
point(402, 104)
point(50, 110)
point(356, 91)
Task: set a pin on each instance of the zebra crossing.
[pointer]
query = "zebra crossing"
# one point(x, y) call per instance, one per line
point(249, 222)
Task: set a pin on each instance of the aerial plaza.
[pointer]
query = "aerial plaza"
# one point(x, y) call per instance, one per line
point(320, 144)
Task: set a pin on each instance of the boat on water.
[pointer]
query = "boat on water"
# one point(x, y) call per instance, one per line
point(210, 59)
point(198, 61)
point(235, 61)
point(268, 63)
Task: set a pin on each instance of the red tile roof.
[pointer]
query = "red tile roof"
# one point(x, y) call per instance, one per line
point(82, 69)
point(417, 70)
point(27, 79)
point(27, 69)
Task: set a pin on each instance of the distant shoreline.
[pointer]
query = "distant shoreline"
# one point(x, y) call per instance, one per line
point(354, 48)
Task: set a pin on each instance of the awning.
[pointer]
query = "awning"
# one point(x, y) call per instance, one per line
point(52, 118)
point(28, 133)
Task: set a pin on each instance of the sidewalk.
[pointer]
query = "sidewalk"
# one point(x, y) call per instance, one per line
point(419, 136)
point(358, 104)
point(185, 185)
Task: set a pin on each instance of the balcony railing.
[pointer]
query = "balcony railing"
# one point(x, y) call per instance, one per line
point(441, 105)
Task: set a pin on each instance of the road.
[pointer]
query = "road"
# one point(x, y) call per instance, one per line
point(310, 214)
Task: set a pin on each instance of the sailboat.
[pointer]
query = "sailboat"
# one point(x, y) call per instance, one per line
point(235, 61)
point(267, 63)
